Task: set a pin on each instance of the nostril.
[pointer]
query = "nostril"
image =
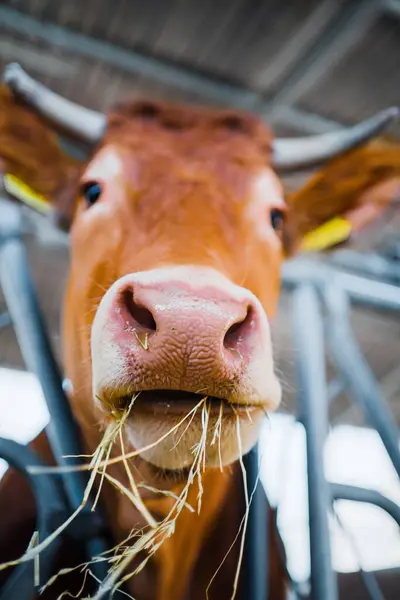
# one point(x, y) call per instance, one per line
point(237, 331)
point(141, 315)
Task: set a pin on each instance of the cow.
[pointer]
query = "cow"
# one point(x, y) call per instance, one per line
point(178, 228)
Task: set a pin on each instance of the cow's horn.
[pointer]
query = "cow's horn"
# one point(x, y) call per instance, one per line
point(82, 123)
point(302, 152)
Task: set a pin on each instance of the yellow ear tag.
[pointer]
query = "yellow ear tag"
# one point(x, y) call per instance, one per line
point(329, 234)
point(19, 190)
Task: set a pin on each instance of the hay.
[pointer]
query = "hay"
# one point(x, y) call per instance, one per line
point(148, 539)
point(97, 461)
point(143, 342)
point(246, 515)
point(243, 523)
point(152, 540)
point(39, 470)
point(32, 544)
point(217, 434)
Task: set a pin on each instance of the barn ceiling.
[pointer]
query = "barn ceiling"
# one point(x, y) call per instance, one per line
point(306, 66)
point(303, 64)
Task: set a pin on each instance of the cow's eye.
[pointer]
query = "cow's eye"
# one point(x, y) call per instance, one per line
point(277, 219)
point(91, 192)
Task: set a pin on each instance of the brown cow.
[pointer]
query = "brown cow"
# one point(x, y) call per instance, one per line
point(178, 231)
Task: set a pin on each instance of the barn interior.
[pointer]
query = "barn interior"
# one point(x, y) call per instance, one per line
point(305, 67)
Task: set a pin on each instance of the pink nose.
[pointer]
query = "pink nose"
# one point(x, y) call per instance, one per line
point(190, 329)
point(207, 320)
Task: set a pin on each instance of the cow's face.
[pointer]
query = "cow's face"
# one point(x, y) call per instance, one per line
point(176, 255)
point(177, 243)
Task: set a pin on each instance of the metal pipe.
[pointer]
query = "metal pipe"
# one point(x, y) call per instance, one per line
point(5, 319)
point(52, 510)
point(313, 409)
point(298, 44)
point(62, 432)
point(358, 494)
point(335, 388)
point(356, 372)
point(392, 7)
point(255, 572)
point(373, 294)
point(351, 23)
point(370, 264)
point(304, 121)
point(371, 585)
point(27, 320)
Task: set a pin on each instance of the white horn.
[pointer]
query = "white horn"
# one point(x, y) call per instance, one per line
point(84, 124)
point(302, 152)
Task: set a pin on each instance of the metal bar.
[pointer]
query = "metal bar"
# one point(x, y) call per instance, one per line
point(255, 572)
point(358, 494)
point(354, 20)
point(391, 249)
point(62, 432)
point(392, 7)
point(20, 297)
point(5, 319)
point(299, 43)
point(335, 388)
point(37, 59)
point(374, 294)
point(356, 372)
point(371, 585)
point(370, 264)
point(304, 121)
point(313, 408)
point(389, 384)
point(52, 510)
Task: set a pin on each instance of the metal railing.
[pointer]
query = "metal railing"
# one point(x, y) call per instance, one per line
point(321, 305)
point(55, 497)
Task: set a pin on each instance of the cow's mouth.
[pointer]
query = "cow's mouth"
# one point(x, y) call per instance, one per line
point(159, 402)
point(167, 426)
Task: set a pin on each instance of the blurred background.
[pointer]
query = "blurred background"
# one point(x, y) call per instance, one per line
point(306, 67)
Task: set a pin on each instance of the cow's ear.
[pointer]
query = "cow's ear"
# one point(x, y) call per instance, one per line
point(357, 191)
point(36, 170)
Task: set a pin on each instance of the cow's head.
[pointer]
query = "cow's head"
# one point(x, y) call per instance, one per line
point(179, 227)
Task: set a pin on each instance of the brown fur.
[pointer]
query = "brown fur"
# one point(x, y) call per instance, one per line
point(186, 187)
point(368, 177)
point(31, 151)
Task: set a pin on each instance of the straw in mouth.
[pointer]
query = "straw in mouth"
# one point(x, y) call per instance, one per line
point(179, 401)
